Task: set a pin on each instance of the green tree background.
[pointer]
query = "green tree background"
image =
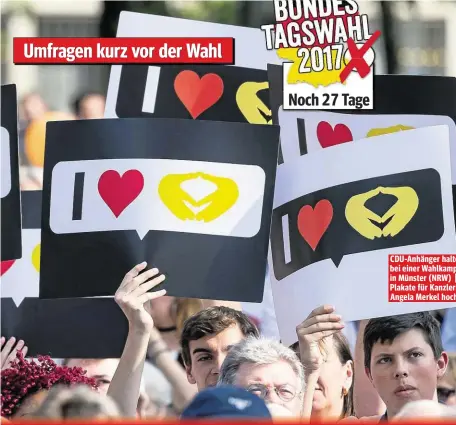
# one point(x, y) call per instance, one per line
point(225, 12)
point(244, 13)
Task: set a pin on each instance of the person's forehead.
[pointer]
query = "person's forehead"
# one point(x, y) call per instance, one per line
point(229, 336)
point(279, 372)
point(330, 349)
point(95, 366)
point(411, 338)
point(93, 98)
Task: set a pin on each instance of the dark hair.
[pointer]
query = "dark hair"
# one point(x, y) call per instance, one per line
point(212, 321)
point(387, 329)
point(343, 352)
point(79, 99)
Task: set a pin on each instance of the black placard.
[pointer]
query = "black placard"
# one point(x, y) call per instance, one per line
point(197, 265)
point(67, 328)
point(321, 223)
point(393, 94)
point(11, 240)
point(73, 328)
point(206, 92)
point(31, 209)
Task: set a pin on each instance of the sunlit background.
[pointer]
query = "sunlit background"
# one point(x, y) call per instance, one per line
point(423, 36)
point(417, 38)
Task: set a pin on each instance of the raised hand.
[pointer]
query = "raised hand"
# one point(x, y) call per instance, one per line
point(9, 351)
point(314, 332)
point(133, 296)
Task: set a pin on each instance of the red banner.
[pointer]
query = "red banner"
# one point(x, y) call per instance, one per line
point(73, 51)
point(422, 278)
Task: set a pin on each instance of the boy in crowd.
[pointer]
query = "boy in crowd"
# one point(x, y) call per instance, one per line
point(404, 358)
point(206, 339)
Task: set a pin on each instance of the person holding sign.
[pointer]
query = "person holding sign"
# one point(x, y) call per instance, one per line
point(133, 298)
point(325, 354)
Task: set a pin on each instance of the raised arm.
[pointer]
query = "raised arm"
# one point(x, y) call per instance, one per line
point(183, 391)
point(133, 298)
point(314, 332)
point(366, 399)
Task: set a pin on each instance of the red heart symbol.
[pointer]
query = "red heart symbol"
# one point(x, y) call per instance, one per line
point(5, 266)
point(196, 94)
point(327, 136)
point(313, 222)
point(118, 191)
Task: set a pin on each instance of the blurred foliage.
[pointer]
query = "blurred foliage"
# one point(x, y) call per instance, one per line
point(226, 12)
point(155, 7)
point(4, 39)
point(216, 11)
point(223, 12)
point(3, 48)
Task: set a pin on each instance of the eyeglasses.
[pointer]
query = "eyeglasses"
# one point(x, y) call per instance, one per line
point(284, 392)
point(443, 394)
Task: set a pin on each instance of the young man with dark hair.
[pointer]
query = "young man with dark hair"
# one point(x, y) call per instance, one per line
point(206, 339)
point(404, 358)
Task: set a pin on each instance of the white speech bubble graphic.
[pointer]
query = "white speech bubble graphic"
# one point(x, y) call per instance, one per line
point(150, 91)
point(364, 275)
point(148, 211)
point(6, 163)
point(22, 279)
point(359, 126)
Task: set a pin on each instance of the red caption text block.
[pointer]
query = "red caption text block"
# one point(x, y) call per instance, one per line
point(73, 51)
point(422, 278)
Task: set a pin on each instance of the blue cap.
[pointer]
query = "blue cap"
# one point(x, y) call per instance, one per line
point(228, 402)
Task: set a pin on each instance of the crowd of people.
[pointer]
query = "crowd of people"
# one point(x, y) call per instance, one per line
point(217, 363)
point(33, 114)
point(191, 358)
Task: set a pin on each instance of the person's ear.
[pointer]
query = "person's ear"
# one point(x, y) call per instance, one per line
point(442, 364)
point(190, 378)
point(348, 381)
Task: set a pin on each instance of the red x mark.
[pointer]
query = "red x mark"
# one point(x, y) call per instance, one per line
point(357, 57)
